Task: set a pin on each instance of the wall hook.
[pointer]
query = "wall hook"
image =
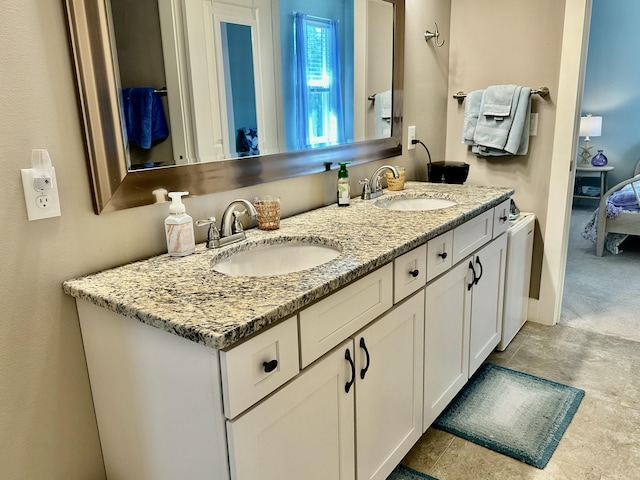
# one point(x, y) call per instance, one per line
point(435, 35)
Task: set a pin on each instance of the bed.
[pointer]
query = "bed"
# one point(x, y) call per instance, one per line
point(617, 216)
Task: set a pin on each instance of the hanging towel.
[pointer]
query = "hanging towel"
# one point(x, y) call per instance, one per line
point(144, 116)
point(471, 112)
point(382, 114)
point(518, 136)
point(493, 130)
point(497, 100)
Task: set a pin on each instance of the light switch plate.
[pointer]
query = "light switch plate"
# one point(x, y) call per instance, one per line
point(533, 125)
point(40, 203)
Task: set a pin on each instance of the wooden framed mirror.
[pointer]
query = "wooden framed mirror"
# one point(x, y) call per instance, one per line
point(116, 185)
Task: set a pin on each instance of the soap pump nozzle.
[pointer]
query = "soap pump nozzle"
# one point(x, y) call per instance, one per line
point(177, 206)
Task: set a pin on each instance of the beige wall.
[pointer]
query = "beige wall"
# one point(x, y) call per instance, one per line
point(502, 42)
point(47, 424)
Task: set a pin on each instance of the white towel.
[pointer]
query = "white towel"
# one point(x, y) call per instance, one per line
point(382, 114)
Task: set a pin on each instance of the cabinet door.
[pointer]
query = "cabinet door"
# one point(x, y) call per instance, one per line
point(303, 431)
point(486, 314)
point(446, 334)
point(389, 389)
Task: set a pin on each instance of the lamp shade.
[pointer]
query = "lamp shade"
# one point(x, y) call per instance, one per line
point(590, 126)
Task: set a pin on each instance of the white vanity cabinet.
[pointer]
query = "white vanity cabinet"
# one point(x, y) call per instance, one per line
point(389, 389)
point(463, 321)
point(487, 301)
point(305, 430)
point(342, 388)
point(366, 392)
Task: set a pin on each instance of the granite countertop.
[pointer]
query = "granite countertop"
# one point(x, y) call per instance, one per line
point(186, 297)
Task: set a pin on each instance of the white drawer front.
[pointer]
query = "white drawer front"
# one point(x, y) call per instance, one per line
point(258, 366)
point(439, 255)
point(470, 236)
point(501, 218)
point(409, 273)
point(328, 322)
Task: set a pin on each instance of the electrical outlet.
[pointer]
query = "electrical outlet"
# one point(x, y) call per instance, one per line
point(411, 135)
point(41, 203)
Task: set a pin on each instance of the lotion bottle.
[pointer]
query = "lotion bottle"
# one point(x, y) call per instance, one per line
point(344, 193)
point(178, 228)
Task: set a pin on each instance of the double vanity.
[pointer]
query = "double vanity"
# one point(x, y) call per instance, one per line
point(322, 350)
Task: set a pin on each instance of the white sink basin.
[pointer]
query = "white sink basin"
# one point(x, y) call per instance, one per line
point(415, 203)
point(263, 260)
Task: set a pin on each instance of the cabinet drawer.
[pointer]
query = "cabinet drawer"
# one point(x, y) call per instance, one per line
point(258, 366)
point(470, 236)
point(439, 255)
point(409, 273)
point(501, 218)
point(330, 321)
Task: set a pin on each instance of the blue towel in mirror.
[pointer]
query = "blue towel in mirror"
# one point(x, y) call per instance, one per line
point(144, 116)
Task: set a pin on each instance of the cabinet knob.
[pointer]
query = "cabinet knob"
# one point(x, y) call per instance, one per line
point(504, 218)
point(270, 366)
point(443, 255)
point(414, 273)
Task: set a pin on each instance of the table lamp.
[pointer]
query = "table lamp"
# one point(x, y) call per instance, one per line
point(590, 126)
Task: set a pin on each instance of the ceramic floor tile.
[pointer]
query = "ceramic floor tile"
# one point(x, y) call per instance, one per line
point(465, 460)
point(605, 436)
point(631, 396)
point(428, 450)
point(603, 440)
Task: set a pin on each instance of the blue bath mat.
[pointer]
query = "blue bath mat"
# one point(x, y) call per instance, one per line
point(405, 473)
point(512, 413)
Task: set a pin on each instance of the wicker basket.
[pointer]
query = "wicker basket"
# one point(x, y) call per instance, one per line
point(395, 184)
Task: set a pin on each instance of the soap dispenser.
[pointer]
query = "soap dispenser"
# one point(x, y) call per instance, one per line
point(344, 192)
point(178, 228)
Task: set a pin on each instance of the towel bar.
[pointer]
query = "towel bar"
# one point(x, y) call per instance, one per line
point(542, 91)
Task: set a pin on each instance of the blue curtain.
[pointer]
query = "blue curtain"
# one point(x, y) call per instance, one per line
point(301, 86)
point(300, 81)
point(337, 106)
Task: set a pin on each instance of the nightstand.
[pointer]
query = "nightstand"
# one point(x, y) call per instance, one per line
point(590, 171)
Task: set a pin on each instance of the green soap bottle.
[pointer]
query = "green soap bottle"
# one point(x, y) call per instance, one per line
point(344, 193)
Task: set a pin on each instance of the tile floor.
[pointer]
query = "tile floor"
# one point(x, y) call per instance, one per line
point(603, 440)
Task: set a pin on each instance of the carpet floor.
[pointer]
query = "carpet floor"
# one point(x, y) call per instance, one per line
point(601, 293)
point(512, 413)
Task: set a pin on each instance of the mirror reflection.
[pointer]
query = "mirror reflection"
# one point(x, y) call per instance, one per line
point(210, 81)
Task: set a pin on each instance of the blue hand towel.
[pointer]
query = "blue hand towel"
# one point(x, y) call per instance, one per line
point(518, 136)
point(144, 116)
point(497, 100)
point(471, 112)
point(492, 130)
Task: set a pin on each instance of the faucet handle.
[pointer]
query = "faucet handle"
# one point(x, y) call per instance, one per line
point(377, 186)
point(237, 224)
point(366, 189)
point(213, 234)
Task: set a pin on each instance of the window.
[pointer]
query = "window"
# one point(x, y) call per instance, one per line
point(319, 115)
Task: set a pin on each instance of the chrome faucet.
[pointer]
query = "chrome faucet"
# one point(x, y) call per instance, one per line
point(373, 188)
point(231, 224)
point(231, 230)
